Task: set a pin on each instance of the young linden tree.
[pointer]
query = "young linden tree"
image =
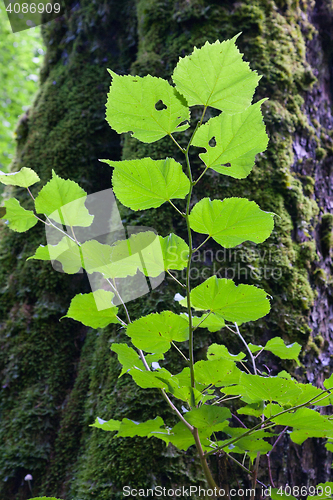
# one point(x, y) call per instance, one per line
point(214, 76)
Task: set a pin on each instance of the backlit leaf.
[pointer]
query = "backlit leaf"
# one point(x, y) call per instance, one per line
point(130, 428)
point(63, 200)
point(234, 303)
point(238, 139)
point(24, 178)
point(231, 221)
point(142, 251)
point(66, 252)
point(215, 75)
point(131, 107)
point(146, 183)
point(218, 351)
point(93, 309)
point(175, 252)
point(207, 416)
point(216, 372)
point(19, 218)
point(155, 332)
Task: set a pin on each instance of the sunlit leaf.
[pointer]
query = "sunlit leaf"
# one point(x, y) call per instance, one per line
point(231, 221)
point(93, 309)
point(63, 200)
point(238, 139)
point(19, 218)
point(66, 252)
point(155, 332)
point(132, 106)
point(215, 75)
point(218, 351)
point(239, 304)
point(175, 252)
point(146, 183)
point(24, 178)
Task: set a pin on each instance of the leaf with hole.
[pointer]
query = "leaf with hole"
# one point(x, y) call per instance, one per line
point(134, 105)
point(238, 139)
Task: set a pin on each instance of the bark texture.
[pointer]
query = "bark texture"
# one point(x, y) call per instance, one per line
point(56, 378)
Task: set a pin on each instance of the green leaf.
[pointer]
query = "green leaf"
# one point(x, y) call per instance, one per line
point(131, 107)
point(238, 139)
point(306, 423)
point(255, 388)
point(175, 252)
point(283, 351)
point(130, 428)
point(146, 183)
point(93, 309)
point(142, 251)
point(216, 372)
point(207, 417)
point(148, 380)
point(45, 498)
point(127, 357)
point(181, 437)
point(19, 218)
point(215, 75)
point(66, 252)
point(106, 425)
point(213, 322)
point(24, 178)
point(217, 351)
point(231, 221)
point(63, 200)
point(254, 409)
point(2, 212)
point(279, 348)
point(155, 332)
point(328, 383)
point(238, 304)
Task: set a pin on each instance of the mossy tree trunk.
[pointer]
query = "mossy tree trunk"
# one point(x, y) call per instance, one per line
point(57, 377)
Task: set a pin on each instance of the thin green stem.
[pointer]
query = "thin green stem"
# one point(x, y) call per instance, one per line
point(174, 206)
point(203, 319)
point(201, 245)
point(180, 352)
point(201, 175)
point(248, 349)
point(178, 145)
point(173, 277)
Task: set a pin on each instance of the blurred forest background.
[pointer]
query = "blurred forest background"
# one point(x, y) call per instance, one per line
point(55, 378)
point(20, 58)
